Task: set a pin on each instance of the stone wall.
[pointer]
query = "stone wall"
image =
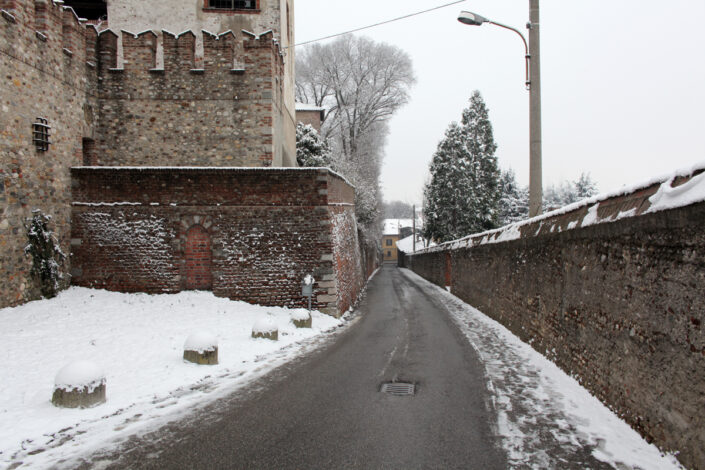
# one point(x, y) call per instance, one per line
point(611, 293)
point(268, 228)
point(222, 113)
point(47, 64)
point(193, 15)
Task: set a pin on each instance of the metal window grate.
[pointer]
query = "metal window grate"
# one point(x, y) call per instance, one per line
point(40, 135)
point(398, 389)
point(233, 4)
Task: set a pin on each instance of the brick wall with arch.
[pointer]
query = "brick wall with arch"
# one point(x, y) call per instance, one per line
point(253, 233)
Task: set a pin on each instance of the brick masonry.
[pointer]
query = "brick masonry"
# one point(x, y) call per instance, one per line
point(138, 230)
point(619, 305)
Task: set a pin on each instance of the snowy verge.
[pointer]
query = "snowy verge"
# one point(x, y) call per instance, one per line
point(545, 418)
point(137, 340)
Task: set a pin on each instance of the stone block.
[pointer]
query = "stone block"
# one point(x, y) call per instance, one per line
point(273, 335)
point(202, 357)
point(84, 397)
point(307, 323)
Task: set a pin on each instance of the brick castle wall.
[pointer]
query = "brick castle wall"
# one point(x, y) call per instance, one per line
point(225, 111)
point(222, 114)
point(48, 68)
point(619, 305)
point(268, 228)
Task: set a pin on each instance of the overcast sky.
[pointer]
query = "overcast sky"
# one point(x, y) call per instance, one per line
point(623, 83)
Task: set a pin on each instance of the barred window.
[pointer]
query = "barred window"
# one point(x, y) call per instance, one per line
point(233, 4)
point(40, 134)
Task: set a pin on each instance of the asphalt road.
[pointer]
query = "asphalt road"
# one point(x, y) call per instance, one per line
point(327, 411)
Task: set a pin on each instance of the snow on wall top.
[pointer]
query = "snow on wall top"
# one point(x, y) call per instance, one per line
point(679, 189)
point(308, 107)
point(407, 244)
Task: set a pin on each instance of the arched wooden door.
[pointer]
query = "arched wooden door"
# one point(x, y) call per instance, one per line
point(198, 259)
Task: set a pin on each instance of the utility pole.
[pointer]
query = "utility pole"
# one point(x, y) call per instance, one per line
point(535, 166)
point(413, 225)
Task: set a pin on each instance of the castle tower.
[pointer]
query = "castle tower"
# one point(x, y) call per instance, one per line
point(216, 17)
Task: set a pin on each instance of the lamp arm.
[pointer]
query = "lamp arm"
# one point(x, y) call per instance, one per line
point(526, 47)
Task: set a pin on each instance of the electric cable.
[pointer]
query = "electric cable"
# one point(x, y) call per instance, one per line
point(379, 24)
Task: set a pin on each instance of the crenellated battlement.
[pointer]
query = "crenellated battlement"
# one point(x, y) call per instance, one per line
point(139, 51)
point(222, 52)
point(193, 101)
point(56, 29)
point(179, 51)
point(49, 36)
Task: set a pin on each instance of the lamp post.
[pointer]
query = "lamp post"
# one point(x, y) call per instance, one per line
point(533, 84)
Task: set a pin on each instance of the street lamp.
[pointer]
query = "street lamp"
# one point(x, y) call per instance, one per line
point(533, 84)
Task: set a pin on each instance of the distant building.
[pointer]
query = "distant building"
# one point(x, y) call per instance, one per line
point(394, 230)
point(310, 114)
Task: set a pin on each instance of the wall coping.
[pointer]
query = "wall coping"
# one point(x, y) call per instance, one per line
point(682, 188)
point(207, 169)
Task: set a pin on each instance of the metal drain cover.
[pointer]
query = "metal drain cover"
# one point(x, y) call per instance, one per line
point(398, 389)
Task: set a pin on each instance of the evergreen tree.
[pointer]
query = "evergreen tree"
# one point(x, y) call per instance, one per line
point(46, 254)
point(514, 200)
point(463, 194)
point(555, 197)
point(585, 187)
point(311, 149)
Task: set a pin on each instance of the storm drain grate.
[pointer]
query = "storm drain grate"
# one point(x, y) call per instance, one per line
point(398, 389)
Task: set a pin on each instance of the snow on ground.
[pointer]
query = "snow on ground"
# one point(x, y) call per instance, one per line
point(137, 340)
point(545, 418)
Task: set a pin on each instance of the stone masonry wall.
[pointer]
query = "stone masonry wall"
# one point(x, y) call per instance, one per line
point(47, 70)
point(268, 229)
point(618, 304)
point(223, 113)
point(194, 15)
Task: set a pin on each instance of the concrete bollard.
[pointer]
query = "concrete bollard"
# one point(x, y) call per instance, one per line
point(301, 318)
point(265, 328)
point(201, 348)
point(80, 384)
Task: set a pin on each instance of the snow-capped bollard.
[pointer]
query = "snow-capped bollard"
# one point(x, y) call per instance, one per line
point(301, 318)
point(201, 348)
point(265, 328)
point(80, 384)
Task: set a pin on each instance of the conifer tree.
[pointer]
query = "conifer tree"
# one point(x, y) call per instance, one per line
point(585, 187)
point(463, 194)
point(311, 149)
point(514, 200)
point(46, 254)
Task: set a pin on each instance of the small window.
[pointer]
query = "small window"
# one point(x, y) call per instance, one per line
point(233, 4)
point(389, 254)
point(90, 158)
point(40, 135)
point(389, 242)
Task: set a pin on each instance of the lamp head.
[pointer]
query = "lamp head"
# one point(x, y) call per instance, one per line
point(472, 19)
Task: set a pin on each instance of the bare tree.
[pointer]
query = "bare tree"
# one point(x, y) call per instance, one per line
point(362, 83)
